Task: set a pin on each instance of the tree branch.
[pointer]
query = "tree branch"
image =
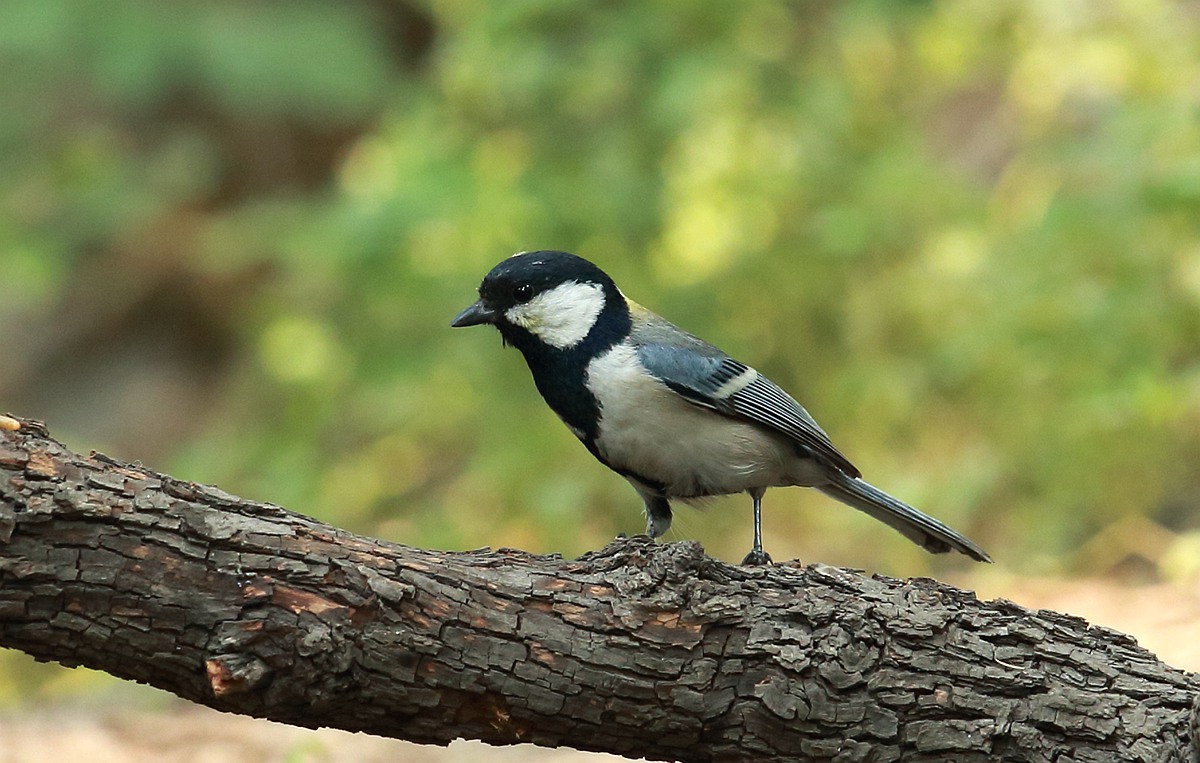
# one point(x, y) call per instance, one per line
point(642, 649)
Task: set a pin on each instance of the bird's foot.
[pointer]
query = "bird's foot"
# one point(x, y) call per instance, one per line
point(757, 557)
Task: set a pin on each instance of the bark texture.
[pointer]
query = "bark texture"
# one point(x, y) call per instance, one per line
point(642, 649)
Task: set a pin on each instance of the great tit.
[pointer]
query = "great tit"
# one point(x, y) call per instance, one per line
point(672, 414)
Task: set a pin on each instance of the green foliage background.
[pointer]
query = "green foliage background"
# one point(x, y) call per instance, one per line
point(963, 234)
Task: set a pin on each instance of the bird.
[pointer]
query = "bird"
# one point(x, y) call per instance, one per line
point(674, 415)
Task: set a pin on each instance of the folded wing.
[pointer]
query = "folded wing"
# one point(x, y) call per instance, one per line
point(705, 376)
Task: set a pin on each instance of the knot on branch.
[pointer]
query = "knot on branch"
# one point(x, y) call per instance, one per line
point(235, 673)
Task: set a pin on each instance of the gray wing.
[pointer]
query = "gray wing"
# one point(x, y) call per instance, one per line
point(705, 376)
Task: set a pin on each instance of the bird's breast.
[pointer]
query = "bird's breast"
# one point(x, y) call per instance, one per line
point(649, 431)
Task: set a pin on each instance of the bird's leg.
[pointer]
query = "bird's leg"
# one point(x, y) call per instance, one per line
point(658, 514)
point(757, 555)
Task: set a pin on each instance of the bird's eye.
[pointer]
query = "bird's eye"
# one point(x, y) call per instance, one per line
point(523, 293)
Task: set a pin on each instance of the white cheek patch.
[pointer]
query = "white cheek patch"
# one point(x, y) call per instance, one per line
point(561, 317)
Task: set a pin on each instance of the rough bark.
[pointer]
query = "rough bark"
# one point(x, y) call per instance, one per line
point(642, 649)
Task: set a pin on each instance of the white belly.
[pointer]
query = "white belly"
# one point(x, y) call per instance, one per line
point(649, 430)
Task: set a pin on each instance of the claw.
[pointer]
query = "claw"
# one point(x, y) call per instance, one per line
point(756, 558)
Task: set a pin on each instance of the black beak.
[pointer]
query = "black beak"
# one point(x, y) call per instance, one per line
point(474, 315)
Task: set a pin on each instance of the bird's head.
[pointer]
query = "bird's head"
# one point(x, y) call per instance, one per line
point(548, 299)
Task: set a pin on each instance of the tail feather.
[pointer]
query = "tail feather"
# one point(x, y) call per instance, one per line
point(915, 525)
